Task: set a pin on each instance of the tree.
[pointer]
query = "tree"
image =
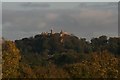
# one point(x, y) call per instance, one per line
point(105, 65)
point(64, 58)
point(11, 58)
point(114, 45)
point(99, 44)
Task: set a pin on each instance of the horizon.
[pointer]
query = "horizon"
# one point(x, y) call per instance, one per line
point(59, 32)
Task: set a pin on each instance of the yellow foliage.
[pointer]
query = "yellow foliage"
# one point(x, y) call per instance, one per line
point(50, 71)
point(101, 65)
point(10, 62)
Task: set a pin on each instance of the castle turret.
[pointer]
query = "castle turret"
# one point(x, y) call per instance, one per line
point(51, 31)
point(61, 36)
point(61, 33)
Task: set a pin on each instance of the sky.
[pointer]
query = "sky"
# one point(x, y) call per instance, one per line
point(60, 0)
point(0, 19)
point(83, 19)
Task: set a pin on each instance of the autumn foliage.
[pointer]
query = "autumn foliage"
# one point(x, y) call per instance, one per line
point(75, 58)
point(102, 65)
point(11, 57)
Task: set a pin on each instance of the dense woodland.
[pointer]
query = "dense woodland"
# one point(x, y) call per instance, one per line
point(44, 56)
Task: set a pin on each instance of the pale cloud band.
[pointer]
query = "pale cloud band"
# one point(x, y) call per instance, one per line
point(60, 0)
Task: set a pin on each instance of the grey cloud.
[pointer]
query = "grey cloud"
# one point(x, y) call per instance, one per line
point(35, 5)
point(83, 23)
point(99, 5)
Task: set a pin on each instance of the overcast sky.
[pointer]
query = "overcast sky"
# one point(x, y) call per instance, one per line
point(60, 0)
point(83, 19)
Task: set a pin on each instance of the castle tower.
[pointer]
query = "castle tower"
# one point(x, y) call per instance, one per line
point(61, 33)
point(51, 31)
point(61, 36)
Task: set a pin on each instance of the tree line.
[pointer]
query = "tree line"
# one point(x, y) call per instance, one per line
point(44, 56)
point(51, 44)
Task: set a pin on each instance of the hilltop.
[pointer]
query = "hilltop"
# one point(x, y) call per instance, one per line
point(51, 42)
point(61, 55)
point(56, 46)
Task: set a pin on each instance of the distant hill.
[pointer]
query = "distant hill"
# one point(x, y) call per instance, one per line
point(52, 46)
point(51, 43)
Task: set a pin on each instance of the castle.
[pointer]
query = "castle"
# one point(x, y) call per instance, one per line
point(61, 34)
